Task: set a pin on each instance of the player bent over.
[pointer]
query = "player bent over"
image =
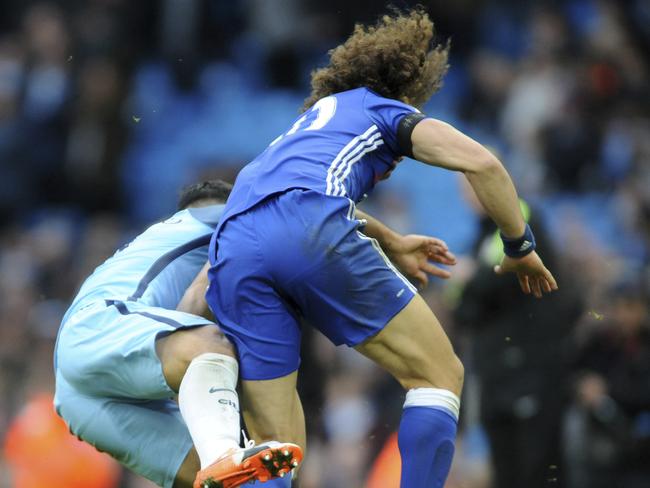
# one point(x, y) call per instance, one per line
point(124, 352)
point(291, 243)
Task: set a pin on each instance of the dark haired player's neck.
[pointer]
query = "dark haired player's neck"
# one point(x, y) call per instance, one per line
point(206, 210)
point(204, 202)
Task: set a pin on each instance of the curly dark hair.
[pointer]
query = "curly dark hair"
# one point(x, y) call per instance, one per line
point(216, 189)
point(396, 58)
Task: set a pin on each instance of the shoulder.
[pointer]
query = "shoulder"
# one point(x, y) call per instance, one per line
point(388, 114)
point(189, 218)
point(374, 101)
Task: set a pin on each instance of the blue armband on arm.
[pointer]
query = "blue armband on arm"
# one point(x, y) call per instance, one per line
point(520, 246)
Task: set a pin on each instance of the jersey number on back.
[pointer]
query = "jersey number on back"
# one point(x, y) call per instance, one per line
point(315, 118)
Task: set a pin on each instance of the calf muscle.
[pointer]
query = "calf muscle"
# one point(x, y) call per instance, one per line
point(414, 348)
point(272, 410)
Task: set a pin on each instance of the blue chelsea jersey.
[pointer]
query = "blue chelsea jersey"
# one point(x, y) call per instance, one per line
point(158, 265)
point(342, 146)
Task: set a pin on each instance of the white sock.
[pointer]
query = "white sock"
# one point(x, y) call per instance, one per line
point(209, 404)
point(433, 397)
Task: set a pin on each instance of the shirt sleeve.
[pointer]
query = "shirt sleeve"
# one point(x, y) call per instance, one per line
point(387, 114)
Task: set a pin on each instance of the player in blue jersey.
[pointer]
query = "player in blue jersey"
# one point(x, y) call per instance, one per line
point(291, 243)
point(124, 352)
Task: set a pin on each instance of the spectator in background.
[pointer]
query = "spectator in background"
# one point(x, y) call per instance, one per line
point(608, 426)
point(562, 87)
point(46, 92)
point(41, 452)
point(516, 350)
point(96, 136)
point(15, 189)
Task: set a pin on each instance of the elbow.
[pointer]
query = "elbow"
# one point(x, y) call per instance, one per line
point(485, 166)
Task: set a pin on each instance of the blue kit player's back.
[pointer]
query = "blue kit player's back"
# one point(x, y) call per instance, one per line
point(342, 146)
point(329, 158)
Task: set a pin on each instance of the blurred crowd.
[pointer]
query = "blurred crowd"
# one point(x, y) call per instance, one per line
point(108, 107)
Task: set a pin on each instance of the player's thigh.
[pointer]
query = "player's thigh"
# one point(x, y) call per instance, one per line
point(177, 349)
point(110, 349)
point(249, 304)
point(415, 349)
point(272, 410)
point(148, 437)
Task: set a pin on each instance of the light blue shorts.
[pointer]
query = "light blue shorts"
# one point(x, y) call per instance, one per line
point(110, 387)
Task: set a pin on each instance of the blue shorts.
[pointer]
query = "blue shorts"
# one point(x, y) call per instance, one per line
point(110, 387)
point(299, 254)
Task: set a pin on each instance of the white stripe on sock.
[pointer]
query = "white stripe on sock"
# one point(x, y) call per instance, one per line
point(433, 397)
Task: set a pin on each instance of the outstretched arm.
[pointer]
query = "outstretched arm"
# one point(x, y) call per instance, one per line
point(439, 144)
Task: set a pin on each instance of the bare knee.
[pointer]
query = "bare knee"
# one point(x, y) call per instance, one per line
point(190, 343)
point(415, 349)
point(177, 350)
point(448, 376)
point(457, 375)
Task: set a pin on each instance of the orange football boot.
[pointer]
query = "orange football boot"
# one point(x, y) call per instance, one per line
point(260, 463)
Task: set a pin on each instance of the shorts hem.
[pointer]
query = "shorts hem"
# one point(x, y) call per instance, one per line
point(272, 376)
point(160, 373)
point(390, 316)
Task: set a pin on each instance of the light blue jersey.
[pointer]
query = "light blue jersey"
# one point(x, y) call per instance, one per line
point(158, 265)
point(110, 387)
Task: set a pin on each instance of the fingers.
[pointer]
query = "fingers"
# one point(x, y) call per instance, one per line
point(422, 279)
point(498, 270)
point(546, 281)
point(439, 243)
point(435, 271)
point(438, 251)
point(550, 279)
point(446, 258)
point(538, 285)
point(535, 286)
point(524, 283)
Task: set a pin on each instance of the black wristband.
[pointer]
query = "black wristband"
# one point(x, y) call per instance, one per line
point(521, 246)
point(404, 130)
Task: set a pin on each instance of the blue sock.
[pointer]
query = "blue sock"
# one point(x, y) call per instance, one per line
point(426, 437)
point(276, 483)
